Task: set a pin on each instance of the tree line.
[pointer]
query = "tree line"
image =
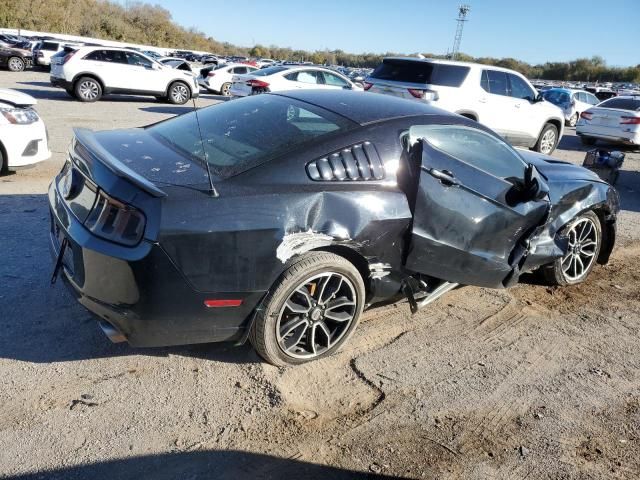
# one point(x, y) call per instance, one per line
point(139, 22)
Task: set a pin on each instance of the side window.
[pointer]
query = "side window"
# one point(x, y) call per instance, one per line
point(520, 89)
point(484, 81)
point(473, 147)
point(331, 79)
point(96, 56)
point(310, 76)
point(592, 99)
point(291, 76)
point(497, 82)
point(114, 56)
point(137, 60)
point(240, 70)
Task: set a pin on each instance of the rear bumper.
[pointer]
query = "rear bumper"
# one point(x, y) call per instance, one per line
point(632, 139)
point(138, 291)
point(60, 82)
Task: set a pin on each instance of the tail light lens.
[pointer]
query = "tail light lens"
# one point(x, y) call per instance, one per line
point(416, 93)
point(423, 94)
point(116, 221)
point(211, 74)
point(367, 85)
point(586, 115)
point(630, 120)
point(257, 84)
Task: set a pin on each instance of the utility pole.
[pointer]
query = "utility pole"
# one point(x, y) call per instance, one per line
point(463, 11)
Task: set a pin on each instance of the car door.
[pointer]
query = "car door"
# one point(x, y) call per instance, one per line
point(142, 77)
point(109, 66)
point(470, 222)
point(526, 114)
point(494, 106)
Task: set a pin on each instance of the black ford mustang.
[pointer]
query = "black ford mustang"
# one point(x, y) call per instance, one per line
point(278, 218)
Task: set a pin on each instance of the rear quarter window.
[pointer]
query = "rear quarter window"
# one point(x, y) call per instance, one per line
point(421, 72)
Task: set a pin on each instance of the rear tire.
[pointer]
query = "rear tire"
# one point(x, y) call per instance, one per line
point(585, 240)
point(303, 286)
point(16, 64)
point(3, 163)
point(225, 89)
point(573, 120)
point(588, 141)
point(88, 89)
point(547, 140)
point(178, 93)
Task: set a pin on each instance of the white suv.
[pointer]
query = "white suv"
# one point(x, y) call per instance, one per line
point(89, 72)
point(499, 98)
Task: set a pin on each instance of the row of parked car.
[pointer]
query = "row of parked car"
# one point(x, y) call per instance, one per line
point(499, 98)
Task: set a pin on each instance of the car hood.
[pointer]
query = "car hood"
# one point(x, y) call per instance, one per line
point(15, 98)
point(556, 170)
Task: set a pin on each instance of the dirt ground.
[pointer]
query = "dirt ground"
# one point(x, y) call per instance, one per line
point(533, 382)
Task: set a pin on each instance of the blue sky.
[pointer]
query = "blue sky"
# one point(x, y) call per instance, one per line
point(534, 31)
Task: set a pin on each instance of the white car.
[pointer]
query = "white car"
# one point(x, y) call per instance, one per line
point(218, 79)
point(572, 102)
point(89, 72)
point(45, 49)
point(499, 98)
point(616, 120)
point(23, 136)
point(290, 77)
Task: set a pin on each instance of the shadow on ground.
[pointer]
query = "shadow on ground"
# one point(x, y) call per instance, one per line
point(207, 464)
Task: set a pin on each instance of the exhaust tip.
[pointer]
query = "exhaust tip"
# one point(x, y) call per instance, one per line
point(112, 332)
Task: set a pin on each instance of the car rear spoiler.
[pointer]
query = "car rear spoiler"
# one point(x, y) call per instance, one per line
point(87, 138)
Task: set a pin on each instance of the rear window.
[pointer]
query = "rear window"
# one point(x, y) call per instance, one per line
point(631, 104)
point(421, 72)
point(244, 133)
point(268, 71)
point(557, 97)
point(49, 46)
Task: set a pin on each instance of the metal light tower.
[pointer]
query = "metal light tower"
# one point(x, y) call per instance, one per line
point(463, 11)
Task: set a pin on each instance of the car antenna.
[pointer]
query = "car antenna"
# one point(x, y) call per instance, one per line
point(212, 191)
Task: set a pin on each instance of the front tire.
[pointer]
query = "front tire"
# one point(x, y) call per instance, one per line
point(88, 90)
point(547, 140)
point(585, 240)
point(310, 312)
point(16, 64)
point(178, 93)
point(573, 120)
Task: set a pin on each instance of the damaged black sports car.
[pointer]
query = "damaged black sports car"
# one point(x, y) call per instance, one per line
point(278, 218)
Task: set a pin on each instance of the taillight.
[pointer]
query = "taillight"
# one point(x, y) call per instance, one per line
point(416, 93)
point(367, 85)
point(423, 94)
point(211, 74)
point(630, 120)
point(257, 84)
point(586, 115)
point(68, 56)
point(116, 221)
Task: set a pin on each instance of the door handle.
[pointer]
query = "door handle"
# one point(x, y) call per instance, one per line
point(483, 100)
point(445, 176)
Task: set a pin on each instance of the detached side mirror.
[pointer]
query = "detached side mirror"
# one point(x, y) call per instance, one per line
point(535, 188)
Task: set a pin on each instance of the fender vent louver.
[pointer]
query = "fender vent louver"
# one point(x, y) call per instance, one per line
point(359, 162)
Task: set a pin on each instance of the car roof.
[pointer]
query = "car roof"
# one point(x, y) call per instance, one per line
point(363, 107)
point(454, 62)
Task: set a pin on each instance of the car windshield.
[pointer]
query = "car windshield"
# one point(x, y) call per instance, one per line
point(631, 104)
point(415, 71)
point(557, 97)
point(244, 133)
point(265, 72)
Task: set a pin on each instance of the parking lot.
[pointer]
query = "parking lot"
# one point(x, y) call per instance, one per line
point(531, 382)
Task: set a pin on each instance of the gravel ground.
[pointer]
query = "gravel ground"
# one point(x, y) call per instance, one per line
point(533, 381)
